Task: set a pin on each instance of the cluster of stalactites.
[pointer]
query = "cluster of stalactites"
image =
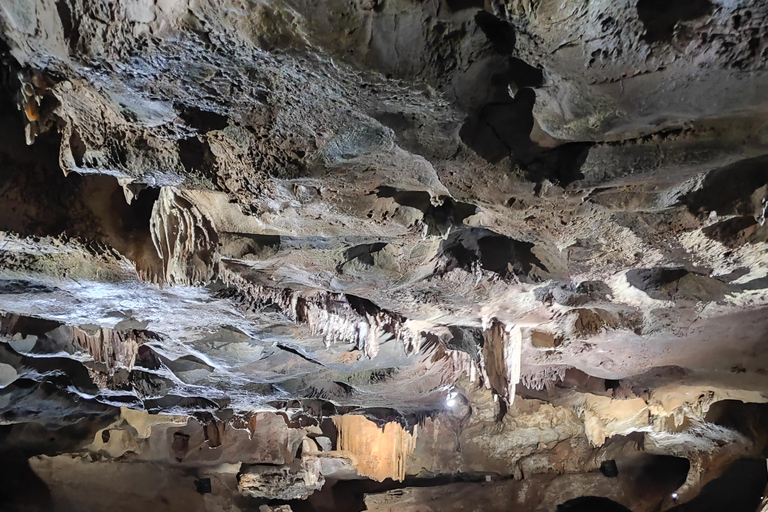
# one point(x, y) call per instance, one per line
point(187, 242)
point(115, 349)
point(497, 364)
point(544, 378)
point(331, 315)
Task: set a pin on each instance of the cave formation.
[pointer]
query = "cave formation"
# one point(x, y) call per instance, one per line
point(384, 255)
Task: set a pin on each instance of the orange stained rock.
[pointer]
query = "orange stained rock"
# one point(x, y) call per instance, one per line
point(376, 453)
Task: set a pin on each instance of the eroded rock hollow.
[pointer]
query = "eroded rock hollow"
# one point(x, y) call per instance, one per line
point(385, 255)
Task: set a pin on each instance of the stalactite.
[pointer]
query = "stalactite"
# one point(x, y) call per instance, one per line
point(115, 349)
point(502, 350)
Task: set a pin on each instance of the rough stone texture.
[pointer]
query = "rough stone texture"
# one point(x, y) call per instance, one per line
point(505, 239)
point(292, 482)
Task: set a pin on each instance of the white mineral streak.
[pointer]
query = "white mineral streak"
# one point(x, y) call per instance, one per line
point(513, 356)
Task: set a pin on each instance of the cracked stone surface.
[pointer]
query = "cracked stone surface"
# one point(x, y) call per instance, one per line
point(410, 255)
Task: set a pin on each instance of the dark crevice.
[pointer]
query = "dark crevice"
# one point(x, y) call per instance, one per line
point(363, 253)
point(661, 16)
point(731, 190)
point(493, 252)
point(77, 148)
point(666, 283)
point(561, 165)
point(522, 74)
point(749, 419)
point(313, 411)
point(460, 5)
point(501, 254)
point(437, 217)
point(500, 33)
point(662, 474)
point(70, 26)
point(348, 495)
point(299, 353)
point(502, 128)
point(21, 489)
point(577, 380)
point(65, 15)
point(203, 121)
point(179, 403)
point(739, 489)
point(592, 504)
point(195, 155)
point(466, 339)
point(738, 231)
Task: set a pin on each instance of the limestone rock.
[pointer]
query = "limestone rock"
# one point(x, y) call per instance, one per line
point(477, 247)
point(290, 482)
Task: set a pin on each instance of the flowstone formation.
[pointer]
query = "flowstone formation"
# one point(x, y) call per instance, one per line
point(386, 255)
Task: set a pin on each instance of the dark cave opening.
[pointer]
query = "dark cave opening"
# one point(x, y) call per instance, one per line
point(460, 5)
point(202, 120)
point(491, 251)
point(21, 489)
point(665, 283)
point(731, 189)
point(739, 489)
point(438, 218)
point(591, 504)
point(348, 495)
point(661, 16)
point(750, 420)
point(661, 475)
point(500, 33)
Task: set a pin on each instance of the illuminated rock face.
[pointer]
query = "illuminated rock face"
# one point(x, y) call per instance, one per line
point(376, 453)
point(394, 254)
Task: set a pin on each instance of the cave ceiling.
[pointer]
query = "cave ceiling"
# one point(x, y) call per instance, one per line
point(406, 255)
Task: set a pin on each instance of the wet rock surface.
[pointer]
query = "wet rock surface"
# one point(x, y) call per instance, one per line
point(383, 254)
